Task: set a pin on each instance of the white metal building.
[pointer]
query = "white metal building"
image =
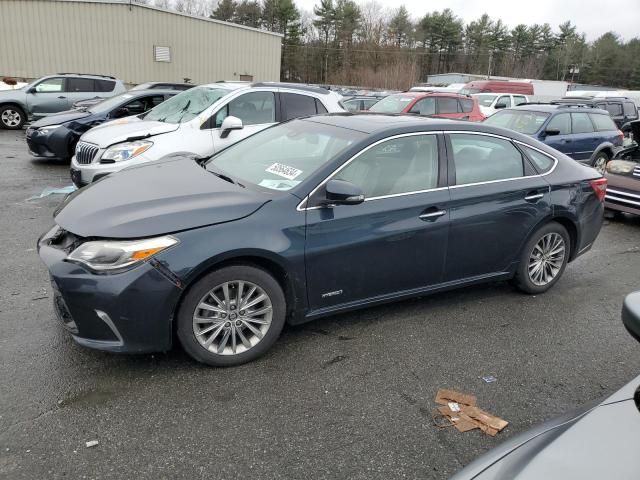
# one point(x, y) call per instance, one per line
point(133, 42)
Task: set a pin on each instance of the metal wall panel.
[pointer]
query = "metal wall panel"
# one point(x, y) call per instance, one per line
point(112, 37)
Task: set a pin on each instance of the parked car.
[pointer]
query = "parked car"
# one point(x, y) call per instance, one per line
point(200, 121)
point(623, 174)
point(308, 218)
point(163, 86)
point(622, 109)
point(52, 94)
point(56, 136)
point(497, 86)
point(490, 103)
point(360, 104)
point(596, 441)
point(446, 105)
point(587, 135)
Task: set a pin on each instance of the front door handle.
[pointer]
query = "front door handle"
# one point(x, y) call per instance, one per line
point(532, 196)
point(432, 215)
point(61, 96)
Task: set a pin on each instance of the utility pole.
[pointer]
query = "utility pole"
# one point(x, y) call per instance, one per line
point(489, 69)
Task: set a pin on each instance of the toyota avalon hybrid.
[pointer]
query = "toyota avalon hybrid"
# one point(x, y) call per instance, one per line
point(310, 218)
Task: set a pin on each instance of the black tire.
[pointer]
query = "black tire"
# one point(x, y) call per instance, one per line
point(12, 117)
point(600, 161)
point(199, 291)
point(523, 280)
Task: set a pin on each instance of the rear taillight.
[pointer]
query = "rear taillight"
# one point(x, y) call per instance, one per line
point(621, 135)
point(599, 187)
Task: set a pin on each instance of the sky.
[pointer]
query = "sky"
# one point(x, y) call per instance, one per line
point(592, 17)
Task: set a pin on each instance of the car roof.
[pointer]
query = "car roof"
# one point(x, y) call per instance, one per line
point(87, 75)
point(550, 108)
point(418, 94)
point(157, 91)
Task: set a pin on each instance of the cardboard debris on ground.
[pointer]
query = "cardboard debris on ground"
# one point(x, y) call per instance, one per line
point(460, 411)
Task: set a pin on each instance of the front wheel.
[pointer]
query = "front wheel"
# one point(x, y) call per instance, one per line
point(543, 259)
point(231, 316)
point(12, 117)
point(600, 162)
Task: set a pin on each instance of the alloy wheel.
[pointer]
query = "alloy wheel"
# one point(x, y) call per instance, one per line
point(11, 118)
point(546, 259)
point(232, 317)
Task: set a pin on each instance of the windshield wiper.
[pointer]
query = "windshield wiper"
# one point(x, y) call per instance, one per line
point(224, 177)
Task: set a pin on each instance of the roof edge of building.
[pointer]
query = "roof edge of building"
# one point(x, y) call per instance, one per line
point(133, 4)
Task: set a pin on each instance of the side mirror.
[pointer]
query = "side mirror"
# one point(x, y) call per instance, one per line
point(552, 131)
point(340, 192)
point(500, 105)
point(121, 112)
point(228, 124)
point(631, 314)
point(32, 90)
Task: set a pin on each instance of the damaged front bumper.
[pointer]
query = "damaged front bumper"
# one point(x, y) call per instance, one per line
point(130, 311)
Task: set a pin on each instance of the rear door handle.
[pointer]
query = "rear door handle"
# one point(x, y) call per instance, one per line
point(62, 97)
point(533, 196)
point(432, 215)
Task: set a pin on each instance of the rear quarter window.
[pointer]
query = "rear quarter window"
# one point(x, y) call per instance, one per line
point(603, 123)
point(466, 104)
point(543, 162)
point(630, 110)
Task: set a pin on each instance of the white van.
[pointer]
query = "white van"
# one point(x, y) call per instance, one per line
point(200, 121)
point(490, 103)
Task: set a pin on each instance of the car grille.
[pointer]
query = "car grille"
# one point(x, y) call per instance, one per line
point(85, 153)
point(621, 197)
point(636, 171)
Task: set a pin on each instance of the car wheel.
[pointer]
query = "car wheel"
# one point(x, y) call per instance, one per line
point(231, 316)
point(543, 259)
point(11, 117)
point(600, 162)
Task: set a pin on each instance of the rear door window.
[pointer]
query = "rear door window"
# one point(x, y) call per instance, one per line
point(295, 105)
point(603, 122)
point(105, 85)
point(630, 110)
point(78, 84)
point(519, 100)
point(370, 103)
point(562, 122)
point(580, 123)
point(448, 105)
point(480, 158)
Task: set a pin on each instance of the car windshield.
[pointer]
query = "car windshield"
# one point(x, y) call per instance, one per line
point(281, 157)
point(186, 105)
point(143, 86)
point(110, 103)
point(392, 104)
point(469, 91)
point(485, 100)
point(523, 121)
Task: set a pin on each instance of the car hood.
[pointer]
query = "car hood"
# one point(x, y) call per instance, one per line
point(120, 130)
point(61, 117)
point(162, 197)
point(16, 94)
point(595, 442)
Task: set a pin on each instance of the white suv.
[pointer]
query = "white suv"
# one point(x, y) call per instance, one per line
point(200, 121)
point(490, 103)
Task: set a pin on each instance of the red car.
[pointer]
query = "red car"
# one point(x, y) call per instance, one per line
point(447, 105)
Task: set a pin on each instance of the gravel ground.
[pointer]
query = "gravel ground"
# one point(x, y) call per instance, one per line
point(349, 396)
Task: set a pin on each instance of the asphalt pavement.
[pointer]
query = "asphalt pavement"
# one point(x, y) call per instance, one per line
point(346, 397)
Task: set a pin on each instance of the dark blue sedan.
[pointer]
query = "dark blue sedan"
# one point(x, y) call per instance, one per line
point(55, 136)
point(309, 218)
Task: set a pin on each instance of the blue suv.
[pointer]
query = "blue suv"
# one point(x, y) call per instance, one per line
point(587, 135)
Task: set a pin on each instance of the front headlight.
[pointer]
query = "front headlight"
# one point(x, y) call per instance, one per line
point(48, 129)
point(620, 166)
point(106, 255)
point(126, 151)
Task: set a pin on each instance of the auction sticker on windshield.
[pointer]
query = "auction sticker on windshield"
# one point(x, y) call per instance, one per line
point(284, 171)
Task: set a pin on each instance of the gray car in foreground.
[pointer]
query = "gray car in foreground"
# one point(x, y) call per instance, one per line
point(598, 441)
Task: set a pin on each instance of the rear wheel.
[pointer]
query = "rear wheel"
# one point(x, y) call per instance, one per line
point(600, 162)
point(543, 259)
point(231, 316)
point(12, 117)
